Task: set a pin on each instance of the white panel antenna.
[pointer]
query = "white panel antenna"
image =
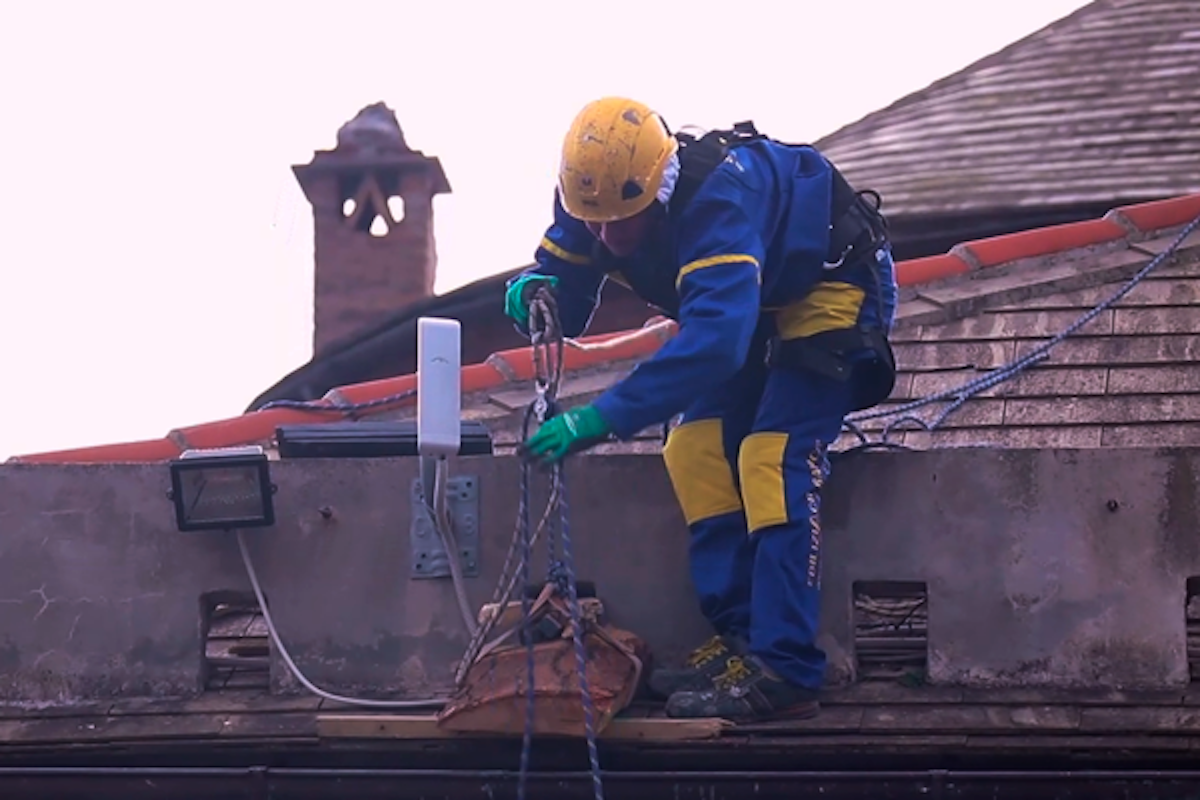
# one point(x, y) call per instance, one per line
point(439, 386)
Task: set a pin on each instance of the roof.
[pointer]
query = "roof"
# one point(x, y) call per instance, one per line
point(963, 312)
point(1101, 106)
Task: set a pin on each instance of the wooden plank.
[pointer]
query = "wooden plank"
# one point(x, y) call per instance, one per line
point(411, 726)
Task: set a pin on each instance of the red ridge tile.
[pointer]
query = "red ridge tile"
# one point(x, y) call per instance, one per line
point(257, 426)
point(1043, 241)
point(931, 268)
point(574, 358)
point(477, 377)
point(370, 391)
point(518, 360)
point(1162, 213)
point(125, 452)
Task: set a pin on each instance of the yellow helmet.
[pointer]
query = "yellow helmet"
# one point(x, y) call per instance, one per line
point(613, 160)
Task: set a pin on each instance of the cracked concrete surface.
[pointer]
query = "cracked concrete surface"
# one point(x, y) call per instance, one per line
point(1044, 568)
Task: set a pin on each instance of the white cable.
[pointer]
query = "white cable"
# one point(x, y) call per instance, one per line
point(441, 523)
point(287, 659)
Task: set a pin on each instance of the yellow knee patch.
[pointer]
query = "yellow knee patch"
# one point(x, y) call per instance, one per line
point(829, 306)
point(703, 481)
point(760, 467)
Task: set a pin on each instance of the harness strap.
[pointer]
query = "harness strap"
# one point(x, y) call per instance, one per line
point(699, 157)
point(856, 227)
point(828, 353)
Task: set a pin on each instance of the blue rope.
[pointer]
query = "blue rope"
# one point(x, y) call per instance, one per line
point(561, 572)
point(526, 627)
point(961, 394)
point(568, 565)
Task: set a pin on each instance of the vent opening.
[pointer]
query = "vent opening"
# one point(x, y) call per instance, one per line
point(891, 638)
point(237, 648)
point(1191, 617)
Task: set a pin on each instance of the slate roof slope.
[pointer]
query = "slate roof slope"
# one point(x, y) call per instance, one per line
point(1127, 378)
point(1101, 106)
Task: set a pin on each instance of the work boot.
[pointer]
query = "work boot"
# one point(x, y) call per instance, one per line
point(746, 691)
point(698, 670)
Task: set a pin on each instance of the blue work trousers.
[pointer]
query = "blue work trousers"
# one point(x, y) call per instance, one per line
point(748, 462)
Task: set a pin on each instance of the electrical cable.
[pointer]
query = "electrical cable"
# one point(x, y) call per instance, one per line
point(434, 703)
point(442, 524)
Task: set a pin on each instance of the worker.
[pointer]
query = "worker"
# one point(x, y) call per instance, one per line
point(782, 282)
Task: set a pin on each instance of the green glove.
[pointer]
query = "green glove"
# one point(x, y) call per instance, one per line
point(569, 432)
point(519, 293)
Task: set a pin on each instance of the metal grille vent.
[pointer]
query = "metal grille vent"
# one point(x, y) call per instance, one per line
point(891, 630)
point(237, 651)
point(1191, 615)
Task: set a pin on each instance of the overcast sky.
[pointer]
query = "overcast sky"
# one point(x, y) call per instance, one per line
point(156, 251)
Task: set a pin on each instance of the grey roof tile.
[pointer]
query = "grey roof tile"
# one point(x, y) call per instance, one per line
point(1100, 106)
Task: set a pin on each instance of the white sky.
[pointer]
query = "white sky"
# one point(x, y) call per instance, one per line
point(156, 251)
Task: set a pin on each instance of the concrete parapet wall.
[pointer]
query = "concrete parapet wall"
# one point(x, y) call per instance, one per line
point(1059, 568)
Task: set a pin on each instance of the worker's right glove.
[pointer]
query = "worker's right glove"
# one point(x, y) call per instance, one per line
point(569, 432)
point(520, 293)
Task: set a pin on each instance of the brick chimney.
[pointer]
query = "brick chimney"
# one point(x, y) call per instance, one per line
point(372, 199)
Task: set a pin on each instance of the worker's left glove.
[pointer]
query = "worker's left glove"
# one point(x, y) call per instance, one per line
point(569, 432)
point(521, 291)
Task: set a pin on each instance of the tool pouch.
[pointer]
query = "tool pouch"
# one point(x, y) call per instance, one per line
point(862, 355)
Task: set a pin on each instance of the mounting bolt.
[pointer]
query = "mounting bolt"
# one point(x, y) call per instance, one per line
point(326, 512)
point(1112, 505)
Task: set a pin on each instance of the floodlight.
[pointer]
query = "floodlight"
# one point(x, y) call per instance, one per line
point(222, 489)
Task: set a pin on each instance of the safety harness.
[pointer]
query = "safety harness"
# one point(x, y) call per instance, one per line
point(857, 232)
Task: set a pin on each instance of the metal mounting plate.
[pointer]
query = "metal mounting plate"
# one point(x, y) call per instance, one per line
point(428, 552)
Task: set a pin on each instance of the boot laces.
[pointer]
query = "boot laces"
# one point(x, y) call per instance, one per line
point(713, 648)
point(735, 672)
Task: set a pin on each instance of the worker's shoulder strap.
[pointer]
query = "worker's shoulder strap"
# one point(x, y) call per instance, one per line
point(698, 157)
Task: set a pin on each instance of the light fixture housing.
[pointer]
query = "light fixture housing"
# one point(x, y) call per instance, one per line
point(222, 489)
